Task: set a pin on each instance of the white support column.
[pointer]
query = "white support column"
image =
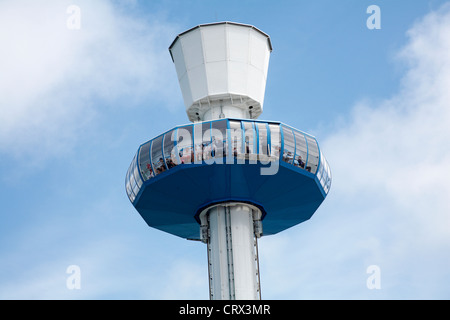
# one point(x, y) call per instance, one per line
point(223, 110)
point(229, 230)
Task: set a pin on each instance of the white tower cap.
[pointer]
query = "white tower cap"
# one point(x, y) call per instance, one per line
point(222, 70)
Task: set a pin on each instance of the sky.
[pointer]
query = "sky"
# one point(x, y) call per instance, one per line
point(77, 100)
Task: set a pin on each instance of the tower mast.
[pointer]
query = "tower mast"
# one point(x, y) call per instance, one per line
point(222, 70)
point(227, 177)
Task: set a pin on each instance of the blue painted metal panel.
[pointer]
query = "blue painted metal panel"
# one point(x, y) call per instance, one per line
point(170, 201)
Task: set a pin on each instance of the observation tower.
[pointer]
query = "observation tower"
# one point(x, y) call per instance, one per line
point(227, 179)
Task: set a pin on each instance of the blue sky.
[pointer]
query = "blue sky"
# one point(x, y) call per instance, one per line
point(76, 104)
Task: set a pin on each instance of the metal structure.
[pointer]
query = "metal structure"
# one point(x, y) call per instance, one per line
point(227, 178)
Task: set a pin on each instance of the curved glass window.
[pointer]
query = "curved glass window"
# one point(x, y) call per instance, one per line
point(289, 145)
point(198, 140)
point(144, 162)
point(170, 157)
point(236, 138)
point(184, 145)
point(219, 138)
point(137, 177)
point(133, 180)
point(249, 138)
point(207, 148)
point(324, 178)
point(202, 141)
point(301, 151)
point(324, 174)
point(208, 142)
point(130, 193)
point(275, 141)
point(313, 155)
point(262, 139)
point(327, 184)
point(157, 157)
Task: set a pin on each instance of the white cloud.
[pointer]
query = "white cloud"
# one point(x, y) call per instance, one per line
point(184, 279)
point(399, 149)
point(55, 80)
point(389, 202)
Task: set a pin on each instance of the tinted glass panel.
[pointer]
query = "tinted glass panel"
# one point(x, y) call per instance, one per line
point(300, 150)
point(263, 143)
point(134, 185)
point(157, 157)
point(206, 141)
point(128, 186)
point(236, 137)
point(289, 145)
point(169, 150)
point(275, 140)
point(219, 138)
point(313, 155)
point(249, 138)
point(184, 144)
point(201, 140)
point(144, 162)
point(137, 177)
